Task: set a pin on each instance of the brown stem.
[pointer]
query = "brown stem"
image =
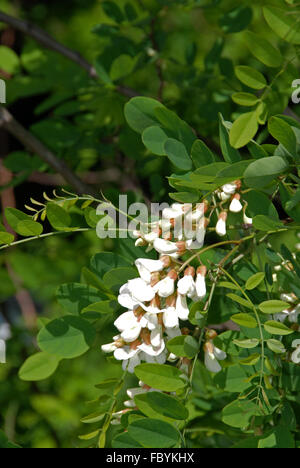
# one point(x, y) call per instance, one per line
point(50, 43)
point(8, 122)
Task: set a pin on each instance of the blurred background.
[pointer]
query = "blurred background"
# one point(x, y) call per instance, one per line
point(170, 50)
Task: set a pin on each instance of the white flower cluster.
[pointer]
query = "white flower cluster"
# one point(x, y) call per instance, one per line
point(181, 228)
point(159, 298)
point(228, 193)
point(155, 303)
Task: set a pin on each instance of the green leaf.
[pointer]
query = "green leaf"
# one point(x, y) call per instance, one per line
point(262, 171)
point(67, 337)
point(107, 383)
point(160, 376)
point(279, 437)
point(116, 277)
point(245, 99)
point(245, 320)
point(263, 223)
point(240, 300)
point(139, 113)
point(6, 238)
point(239, 413)
point(89, 436)
point(254, 280)
point(276, 346)
point(154, 138)
point(250, 77)
point(99, 309)
point(113, 11)
point(233, 378)
point(167, 405)
point(231, 155)
point(58, 217)
point(277, 328)
point(178, 127)
point(243, 130)
point(22, 223)
point(28, 228)
point(247, 344)
point(273, 307)
point(153, 433)
point(263, 50)
point(228, 285)
point(191, 347)
point(143, 404)
point(283, 132)
point(286, 26)
point(185, 197)
point(9, 60)
point(236, 20)
point(201, 154)
point(125, 441)
point(122, 66)
point(93, 418)
point(103, 262)
point(178, 155)
point(183, 346)
point(250, 360)
point(39, 367)
point(74, 297)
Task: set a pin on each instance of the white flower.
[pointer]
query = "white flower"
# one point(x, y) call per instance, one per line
point(224, 196)
point(170, 318)
point(175, 212)
point(221, 224)
point(186, 285)
point(166, 287)
point(5, 334)
point(211, 357)
point(165, 247)
point(294, 314)
point(182, 309)
point(109, 348)
point(296, 354)
point(131, 363)
point(288, 297)
point(291, 314)
point(200, 282)
point(248, 221)
point(153, 351)
point(199, 212)
point(173, 332)
point(229, 189)
point(2, 352)
point(235, 205)
point(146, 266)
point(134, 292)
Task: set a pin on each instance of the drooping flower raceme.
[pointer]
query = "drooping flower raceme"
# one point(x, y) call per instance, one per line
point(159, 299)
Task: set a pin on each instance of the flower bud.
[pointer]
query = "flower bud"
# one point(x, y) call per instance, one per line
point(221, 224)
point(235, 205)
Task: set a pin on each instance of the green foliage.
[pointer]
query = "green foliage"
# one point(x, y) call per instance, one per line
point(170, 108)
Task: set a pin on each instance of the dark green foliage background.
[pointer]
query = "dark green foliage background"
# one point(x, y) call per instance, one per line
point(182, 52)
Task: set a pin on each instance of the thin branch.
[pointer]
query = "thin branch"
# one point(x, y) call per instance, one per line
point(8, 122)
point(47, 41)
point(50, 43)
